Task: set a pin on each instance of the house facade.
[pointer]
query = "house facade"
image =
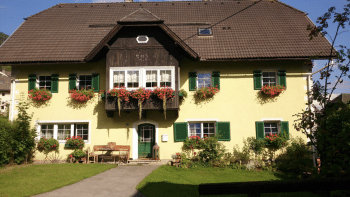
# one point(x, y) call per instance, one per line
point(5, 89)
point(180, 45)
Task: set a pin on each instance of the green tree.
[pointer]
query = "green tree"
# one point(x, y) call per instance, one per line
point(328, 129)
point(3, 37)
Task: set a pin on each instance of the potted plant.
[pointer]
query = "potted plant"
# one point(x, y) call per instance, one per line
point(81, 96)
point(141, 94)
point(163, 94)
point(206, 92)
point(121, 94)
point(48, 145)
point(75, 142)
point(39, 96)
point(276, 140)
point(77, 154)
point(272, 91)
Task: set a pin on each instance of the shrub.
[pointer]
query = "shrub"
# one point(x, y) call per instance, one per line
point(238, 155)
point(298, 157)
point(75, 142)
point(48, 145)
point(78, 154)
point(277, 140)
point(23, 137)
point(256, 145)
point(6, 129)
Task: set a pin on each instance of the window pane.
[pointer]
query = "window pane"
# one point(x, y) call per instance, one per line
point(204, 80)
point(269, 78)
point(151, 78)
point(46, 131)
point(271, 128)
point(195, 129)
point(119, 79)
point(165, 78)
point(63, 131)
point(208, 130)
point(133, 79)
point(85, 82)
point(45, 82)
point(82, 130)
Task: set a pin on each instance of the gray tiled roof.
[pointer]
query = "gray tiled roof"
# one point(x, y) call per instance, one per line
point(241, 30)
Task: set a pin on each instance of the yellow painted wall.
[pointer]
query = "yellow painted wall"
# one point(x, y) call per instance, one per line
point(237, 102)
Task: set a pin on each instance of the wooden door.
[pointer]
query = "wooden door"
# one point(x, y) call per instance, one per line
point(146, 140)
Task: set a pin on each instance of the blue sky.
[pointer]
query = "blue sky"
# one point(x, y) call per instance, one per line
point(12, 13)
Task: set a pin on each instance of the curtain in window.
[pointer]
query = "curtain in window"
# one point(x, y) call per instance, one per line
point(119, 78)
point(151, 78)
point(165, 78)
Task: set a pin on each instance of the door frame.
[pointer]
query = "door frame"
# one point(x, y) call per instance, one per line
point(135, 143)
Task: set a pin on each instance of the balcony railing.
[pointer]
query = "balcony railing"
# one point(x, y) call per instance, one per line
point(153, 103)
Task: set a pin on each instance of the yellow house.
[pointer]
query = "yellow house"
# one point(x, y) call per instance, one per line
point(182, 45)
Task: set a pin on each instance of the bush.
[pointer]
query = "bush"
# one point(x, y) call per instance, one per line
point(298, 157)
point(48, 145)
point(78, 153)
point(6, 129)
point(75, 142)
point(238, 155)
point(23, 137)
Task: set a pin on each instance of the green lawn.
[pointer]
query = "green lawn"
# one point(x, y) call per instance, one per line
point(171, 181)
point(36, 179)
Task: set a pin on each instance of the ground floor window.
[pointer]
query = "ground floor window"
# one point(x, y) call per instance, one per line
point(267, 127)
point(61, 131)
point(201, 129)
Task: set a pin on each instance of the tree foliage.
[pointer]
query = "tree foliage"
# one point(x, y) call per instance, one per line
point(327, 127)
point(3, 37)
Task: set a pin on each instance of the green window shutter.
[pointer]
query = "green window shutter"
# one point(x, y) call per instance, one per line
point(31, 81)
point(180, 131)
point(282, 78)
point(216, 79)
point(257, 80)
point(192, 81)
point(54, 83)
point(96, 82)
point(223, 131)
point(285, 128)
point(72, 81)
point(259, 126)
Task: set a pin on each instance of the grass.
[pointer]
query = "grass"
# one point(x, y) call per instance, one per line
point(35, 179)
point(170, 181)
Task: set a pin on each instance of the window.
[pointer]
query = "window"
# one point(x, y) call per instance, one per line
point(3, 94)
point(49, 82)
point(84, 81)
point(264, 128)
point(205, 31)
point(204, 79)
point(182, 130)
point(44, 82)
point(148, 77)
point(61, 131)
point(202, 129)
point(269, 78)
point(142, 39)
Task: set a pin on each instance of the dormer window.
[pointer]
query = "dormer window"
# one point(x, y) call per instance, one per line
point(205, 31)
point(142, 39)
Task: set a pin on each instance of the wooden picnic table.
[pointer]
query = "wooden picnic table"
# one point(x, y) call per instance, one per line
point(110, 148)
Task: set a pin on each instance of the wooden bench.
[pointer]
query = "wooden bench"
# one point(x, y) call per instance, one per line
point(110, 148)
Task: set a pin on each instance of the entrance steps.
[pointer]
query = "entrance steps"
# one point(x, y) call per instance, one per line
point(144, 162)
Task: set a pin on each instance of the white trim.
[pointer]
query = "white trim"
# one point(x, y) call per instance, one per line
point(142, 75)
point(39, 122)
point(135, 148)
point(138, 41)
point(271, 119)
point(202, 120)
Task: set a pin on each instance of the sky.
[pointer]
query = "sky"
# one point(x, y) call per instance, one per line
point(12, 13)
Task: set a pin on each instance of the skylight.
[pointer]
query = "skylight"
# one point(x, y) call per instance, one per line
point(205, 31)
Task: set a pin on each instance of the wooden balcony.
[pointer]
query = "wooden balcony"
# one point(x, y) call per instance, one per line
point(153, 103)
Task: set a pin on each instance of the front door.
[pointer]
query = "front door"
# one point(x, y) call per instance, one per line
point(146, 140)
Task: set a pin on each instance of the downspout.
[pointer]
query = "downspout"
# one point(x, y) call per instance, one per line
point(13, 87)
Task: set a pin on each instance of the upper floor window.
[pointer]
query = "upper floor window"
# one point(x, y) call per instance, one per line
point(44, 82)
point(148, 77)
point(269, 78)
point(84, 82)
point(204, 80)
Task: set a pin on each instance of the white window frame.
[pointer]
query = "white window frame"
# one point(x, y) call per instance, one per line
point(269, 71)
point(202, 128)
point(56, 123)
point(78, 79)
point(37, 84)
point(142, 75)
point(204, 72)
point(273, 120)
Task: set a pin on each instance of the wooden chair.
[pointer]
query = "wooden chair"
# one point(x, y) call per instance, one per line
point(92, 155)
